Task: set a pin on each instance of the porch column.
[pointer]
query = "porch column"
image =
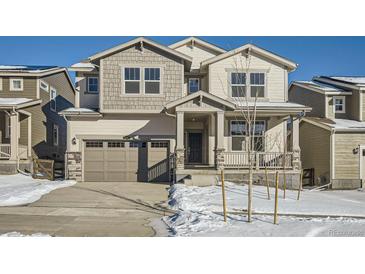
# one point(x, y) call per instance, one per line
point(211, 140)
point(180, 150)
point(14, 135)
point(295, 144)
point(29, 136)
point(219, 157)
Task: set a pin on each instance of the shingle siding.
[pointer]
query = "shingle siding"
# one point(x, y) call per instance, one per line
point(172, 79)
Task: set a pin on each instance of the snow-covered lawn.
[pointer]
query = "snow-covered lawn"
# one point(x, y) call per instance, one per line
point(20, 189)
point(18, 234)
point(199, 212)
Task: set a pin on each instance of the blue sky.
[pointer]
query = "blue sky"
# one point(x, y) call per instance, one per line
point(315, 55)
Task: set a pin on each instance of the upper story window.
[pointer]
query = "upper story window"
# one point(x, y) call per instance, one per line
point(16, 84)
point(257, 85)
point(92, 84)
point(238, 84)
point(152, 80)
point(53, 97)
point(339, 104)
point(194, 85)
point(132, 80)
point(254, 86)
point(44, 85)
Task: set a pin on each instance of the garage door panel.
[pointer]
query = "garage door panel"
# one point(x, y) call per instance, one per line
point(111, 161)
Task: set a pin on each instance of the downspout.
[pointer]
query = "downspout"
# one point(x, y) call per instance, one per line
point(169, 114)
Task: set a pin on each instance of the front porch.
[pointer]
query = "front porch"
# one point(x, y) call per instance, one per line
point(212, 134)
point(15, 136)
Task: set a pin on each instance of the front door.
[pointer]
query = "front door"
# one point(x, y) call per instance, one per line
point(195, 147)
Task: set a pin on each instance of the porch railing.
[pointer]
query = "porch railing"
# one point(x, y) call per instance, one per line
point(270, 160)
point(5, 151)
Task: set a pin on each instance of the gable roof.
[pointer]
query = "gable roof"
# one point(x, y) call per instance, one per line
point(286, 62)
point(193, 40)
point(353, 80)
point(198, 94)
point(17, 103)
point(319, 87)
point(136, 41)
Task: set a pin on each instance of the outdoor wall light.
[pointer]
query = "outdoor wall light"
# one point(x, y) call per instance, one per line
point(355, 150)
point(74, 141)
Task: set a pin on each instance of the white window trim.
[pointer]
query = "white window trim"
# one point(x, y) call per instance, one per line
point(88, 90)
point(12, 84)
point(237, 85)
point(193, 78)
point(55, 140)
point(53, 99)
point(41, 82)
point(142, 81)
point(138, 81)
point(343, 104)
point(152, 81)
point(264, 85)
point(7, 126)
point(1, 83)
point(240, 136)
point(247, 83)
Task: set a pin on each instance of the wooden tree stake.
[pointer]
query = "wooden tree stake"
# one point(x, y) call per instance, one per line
point(300, 184)
point(224, 197)
point(276, 198)
point(267, 184)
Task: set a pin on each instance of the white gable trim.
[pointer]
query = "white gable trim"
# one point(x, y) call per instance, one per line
point(289, 64)
point(198, 41)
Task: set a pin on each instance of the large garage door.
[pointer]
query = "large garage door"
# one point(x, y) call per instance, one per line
point(120, 161)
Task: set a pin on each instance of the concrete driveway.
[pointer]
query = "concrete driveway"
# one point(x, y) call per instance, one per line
point(92, 209)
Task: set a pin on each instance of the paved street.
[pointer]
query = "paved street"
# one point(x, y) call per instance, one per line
point(91, 209)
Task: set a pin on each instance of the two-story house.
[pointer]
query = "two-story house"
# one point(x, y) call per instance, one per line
point(144, 110)
point(332, 136)
point(30, 126)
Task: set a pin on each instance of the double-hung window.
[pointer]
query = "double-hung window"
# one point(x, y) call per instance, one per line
point(53, 98)
point(194, 85)
point(240, 135)
point(339, 104)
point(257, 85)
point(238, 84)
point(16, 84)
point(132, 80)
point(152, 81)
point(93, 84)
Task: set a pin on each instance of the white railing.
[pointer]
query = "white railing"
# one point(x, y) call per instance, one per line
point(5, 151)
point(270, 160)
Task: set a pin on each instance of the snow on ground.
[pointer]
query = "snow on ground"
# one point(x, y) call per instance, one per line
point(199, 212)
point(20, 189)
point(18, 234)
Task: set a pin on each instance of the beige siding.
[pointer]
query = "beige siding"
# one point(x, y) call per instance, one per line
point(29, 88)
point(363, 105)
point(87, 100)
point(346, 162)
point(198, 53)
point(112, 92)
point(275, 75)
point(315, 150)
point(315, 100)
point(118, 126)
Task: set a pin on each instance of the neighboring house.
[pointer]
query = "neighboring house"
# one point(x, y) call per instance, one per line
point(30, 98)
point(145, 110)
point(332, 136)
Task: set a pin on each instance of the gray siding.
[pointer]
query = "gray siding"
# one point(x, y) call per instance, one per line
point(315, 151)
point(111, 67)
point(309, 98)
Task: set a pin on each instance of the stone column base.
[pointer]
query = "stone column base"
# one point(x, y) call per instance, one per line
point(180, 159)
point(219, 158)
